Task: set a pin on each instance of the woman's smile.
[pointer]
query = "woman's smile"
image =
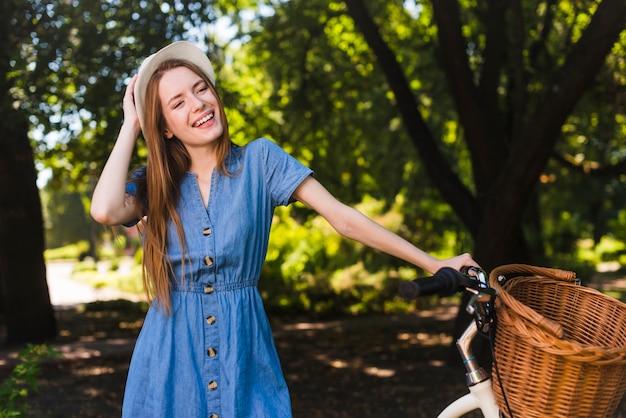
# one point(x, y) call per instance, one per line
point(208, 117)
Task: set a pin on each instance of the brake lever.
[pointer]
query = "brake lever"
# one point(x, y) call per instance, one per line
point(480, 306)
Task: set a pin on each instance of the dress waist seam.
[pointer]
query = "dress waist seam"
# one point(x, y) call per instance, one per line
point(199, 287)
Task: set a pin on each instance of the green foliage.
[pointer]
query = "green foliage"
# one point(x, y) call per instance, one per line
point(314, 88)
point(67, 252)
point(66, 217)
point(72, 67)
point(607, 249)
point(23, 380)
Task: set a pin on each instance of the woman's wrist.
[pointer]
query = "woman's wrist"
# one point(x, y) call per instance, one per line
point(129, 131)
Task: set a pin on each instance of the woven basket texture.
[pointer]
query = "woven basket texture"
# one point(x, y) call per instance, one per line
point(560, 347)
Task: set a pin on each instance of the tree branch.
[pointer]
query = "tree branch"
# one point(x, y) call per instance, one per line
point(477, 107)
point(441, 174)
point(532, 151)
point(495, 48)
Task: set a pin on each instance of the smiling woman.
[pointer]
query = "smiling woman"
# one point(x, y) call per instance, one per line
point(205, 206)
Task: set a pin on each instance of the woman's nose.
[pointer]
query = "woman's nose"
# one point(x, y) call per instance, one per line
point(197, 103)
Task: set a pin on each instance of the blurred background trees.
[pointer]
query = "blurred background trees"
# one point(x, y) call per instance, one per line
point(493, 127)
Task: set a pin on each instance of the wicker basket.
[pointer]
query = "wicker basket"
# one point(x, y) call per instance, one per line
point(560, 347)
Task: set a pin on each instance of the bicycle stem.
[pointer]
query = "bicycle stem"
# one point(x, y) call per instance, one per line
point(475, 374)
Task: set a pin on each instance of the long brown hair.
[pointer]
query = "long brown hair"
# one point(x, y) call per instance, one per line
point(157, 197)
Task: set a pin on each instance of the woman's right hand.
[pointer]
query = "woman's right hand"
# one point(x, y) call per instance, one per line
point(457, 262)
point(130, 111)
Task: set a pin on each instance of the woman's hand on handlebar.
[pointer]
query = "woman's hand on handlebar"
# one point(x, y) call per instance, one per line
point(457, 262)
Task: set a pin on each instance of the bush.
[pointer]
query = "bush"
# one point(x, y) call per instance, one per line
point(23, 379)
point(68, 252)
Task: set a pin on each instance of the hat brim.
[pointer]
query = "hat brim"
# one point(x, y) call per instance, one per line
point(178, 50)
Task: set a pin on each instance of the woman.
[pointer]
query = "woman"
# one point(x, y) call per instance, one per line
point(206, 348)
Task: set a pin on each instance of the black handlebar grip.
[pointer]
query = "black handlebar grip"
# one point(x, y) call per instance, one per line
point(444, 282)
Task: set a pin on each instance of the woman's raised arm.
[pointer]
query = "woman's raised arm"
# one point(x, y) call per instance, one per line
point(354, 225)
point(110, 204)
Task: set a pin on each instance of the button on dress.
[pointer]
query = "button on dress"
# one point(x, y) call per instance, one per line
point(214, 356)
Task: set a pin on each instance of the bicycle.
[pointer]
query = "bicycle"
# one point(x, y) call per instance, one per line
point(446, 282)
point(558, 330)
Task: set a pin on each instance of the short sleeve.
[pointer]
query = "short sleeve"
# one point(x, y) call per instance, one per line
point(132, 186)
point(283, 173)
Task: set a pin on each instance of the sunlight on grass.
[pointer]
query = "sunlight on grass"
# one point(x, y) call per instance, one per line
point(338, 364)
point(94, 371)
point(131, 325)
point(355, 365)
point(424, 339)
point(375, 371)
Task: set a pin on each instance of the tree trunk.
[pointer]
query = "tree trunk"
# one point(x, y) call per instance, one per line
point(24, 297)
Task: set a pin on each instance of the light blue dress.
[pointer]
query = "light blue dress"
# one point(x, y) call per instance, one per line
point(215, 356)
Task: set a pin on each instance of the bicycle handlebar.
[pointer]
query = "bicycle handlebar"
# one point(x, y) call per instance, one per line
point(445, 282)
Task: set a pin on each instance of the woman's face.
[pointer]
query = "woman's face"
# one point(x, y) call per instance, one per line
point(191, 110)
